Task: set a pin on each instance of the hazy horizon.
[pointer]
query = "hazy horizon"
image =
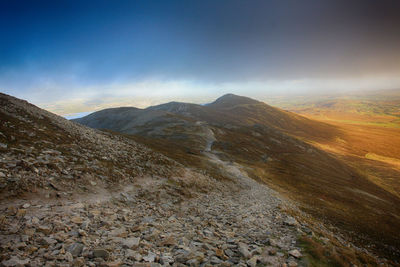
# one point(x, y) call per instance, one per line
point(72, 56)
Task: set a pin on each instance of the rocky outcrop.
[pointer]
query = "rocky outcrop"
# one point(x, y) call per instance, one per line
point(42, 150)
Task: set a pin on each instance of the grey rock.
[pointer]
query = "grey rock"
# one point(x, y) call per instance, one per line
point(15, 261)
point(295, 253)
point(215, 260)
point(253, 261)
point(291, 221)
point(166, 258)
point(48, 241)
point(133, 255)
point(75, 249)
point(132, 242)
point(269, 260)
point(68, 257)
point(20, 245)
point(35, 220)
point(101, 253)
point(229, 253)
point(79, 262)
point(150, 257)
point(85, 225)
point(44, 229)
point(244, 250)
point(193, 263)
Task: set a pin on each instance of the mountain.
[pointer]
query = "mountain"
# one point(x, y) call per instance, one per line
point(275, 147)
point(230, 100)
point(75, 196)
point(226, 110)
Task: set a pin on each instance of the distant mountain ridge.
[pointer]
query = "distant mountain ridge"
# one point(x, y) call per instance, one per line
point(228, 109)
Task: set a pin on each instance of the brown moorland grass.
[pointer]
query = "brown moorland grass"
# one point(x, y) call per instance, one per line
point(362, 139)
point(190, 156)
point(319, 254)
point(374, 151)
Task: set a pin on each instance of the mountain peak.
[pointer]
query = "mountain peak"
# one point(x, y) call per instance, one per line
point(232, 100)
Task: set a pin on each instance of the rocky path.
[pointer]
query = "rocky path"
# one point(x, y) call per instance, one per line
point(143, 227)
point(153, 221)
point(150, 224)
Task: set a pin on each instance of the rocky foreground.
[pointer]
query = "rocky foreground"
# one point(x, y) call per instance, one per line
point(151, 224)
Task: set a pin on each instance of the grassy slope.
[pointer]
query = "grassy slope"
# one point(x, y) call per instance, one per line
point(370, 133)
point(369, 141)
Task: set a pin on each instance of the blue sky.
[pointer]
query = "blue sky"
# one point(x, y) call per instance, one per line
point(78, 56)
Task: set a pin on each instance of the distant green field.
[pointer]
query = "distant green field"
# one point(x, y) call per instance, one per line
point(380, 108)
point(380, 124)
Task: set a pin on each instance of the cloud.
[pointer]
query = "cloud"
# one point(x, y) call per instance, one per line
point(152, 92)
point(151, 51)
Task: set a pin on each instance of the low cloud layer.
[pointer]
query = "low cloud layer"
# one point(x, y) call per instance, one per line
point(70, 51)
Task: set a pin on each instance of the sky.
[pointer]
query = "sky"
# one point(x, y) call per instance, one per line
point(78, 56)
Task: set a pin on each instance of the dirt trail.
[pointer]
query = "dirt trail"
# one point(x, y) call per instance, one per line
point(235, 170)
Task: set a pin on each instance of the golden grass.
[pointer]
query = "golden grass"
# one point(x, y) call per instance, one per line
point(326, 255)
point(392, 161)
